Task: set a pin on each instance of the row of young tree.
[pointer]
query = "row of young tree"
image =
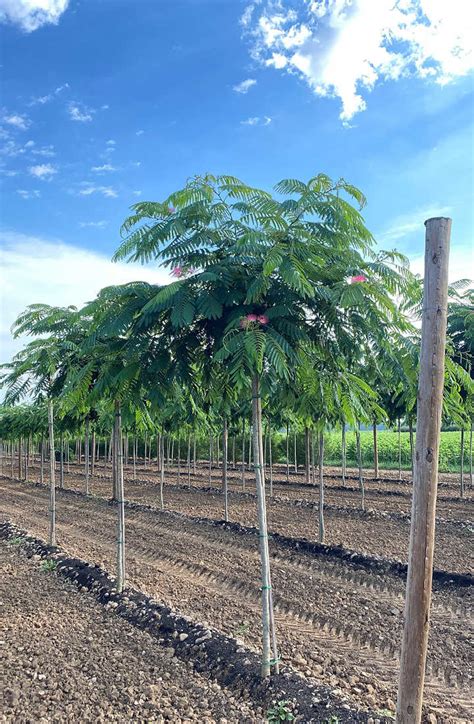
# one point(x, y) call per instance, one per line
point(280, 309)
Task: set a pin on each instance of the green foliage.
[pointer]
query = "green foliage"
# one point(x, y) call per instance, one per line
point(49, 565)
point(281, 711)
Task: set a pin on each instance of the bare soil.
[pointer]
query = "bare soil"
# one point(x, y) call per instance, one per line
point(65, 658)
point(337, 623)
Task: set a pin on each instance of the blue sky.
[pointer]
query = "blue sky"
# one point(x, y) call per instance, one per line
point(106, 102)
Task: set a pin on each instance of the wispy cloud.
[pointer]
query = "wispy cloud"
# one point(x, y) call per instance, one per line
point(137, 193)
point(42, 100)
point(17, 120)
point(90, 189)
point(80, 112)
point(93, 224)
point(104, 168)
point(257, 121)
point(30, 15)
point(343, 47)
point(406, 224)
point(140, 132)
point(34, 194)
point(244, 86)
point(44, 171)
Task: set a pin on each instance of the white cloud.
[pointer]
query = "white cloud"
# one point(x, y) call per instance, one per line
point(244, 86)
point(42, 100)
point(102, 169)
point(93, 224)
point(137, 193)
point(137, 164)
point(343, 47)
point(28, 194)
point(111, 142)
point(80, 112)
point(44, 171)
point(39, 270)
point(140, 133)
point(257, 121)
point(32, 14)
point(17, 120)
point(90, 189)
point(29, 144)
point(45, 151)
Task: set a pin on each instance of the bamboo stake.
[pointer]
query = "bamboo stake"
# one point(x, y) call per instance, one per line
point(120, 500)
point(428, 426)
point(321, 487)
point(224, 469)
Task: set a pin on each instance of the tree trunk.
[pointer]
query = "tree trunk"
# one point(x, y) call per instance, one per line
point(321, 487)
point(120, 500)
point(263, 531)
point(41, 460)
point(194, 453)
point(376, 452)
point(210, 460)
point(188, 461)
point(399, 451)
point(287, 451)
point(295, 452)
point(86, 454)
point(179, 456)
point(27, 457)
point(307, 449)
point(233, 452)
point(343, 450)
point(461, 480)
point(162, 471)
point(113, 450)
point(93, 453)
point(61, 461)
point(134, 457)
point(470, 457)
point(67, 452)
point(52, 481)
point(243, 453)
point(20, 466)
point(412, 448)
point(224, 469)
point(428, 426)
point(359, 464)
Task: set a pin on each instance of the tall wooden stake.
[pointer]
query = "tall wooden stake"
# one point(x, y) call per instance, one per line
point(428, 425)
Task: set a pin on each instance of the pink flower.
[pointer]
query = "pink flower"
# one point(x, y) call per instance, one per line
point(358, 278)
point(263, 319)
point(244, 323)
point(252, 317)
point(171, 209)
point(177, 272)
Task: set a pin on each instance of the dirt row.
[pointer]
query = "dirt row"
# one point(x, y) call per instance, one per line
point(372, 532)
point(65, 658)
point(336, 623)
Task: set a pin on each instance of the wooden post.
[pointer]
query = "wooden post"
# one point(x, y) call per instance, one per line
point(428, 425)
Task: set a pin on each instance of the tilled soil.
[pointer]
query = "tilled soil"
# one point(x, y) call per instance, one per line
point(372, 532)
point(337, 622)
point(65, 658)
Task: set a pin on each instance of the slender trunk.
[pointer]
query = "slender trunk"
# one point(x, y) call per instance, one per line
point(243, 453)
point(233, 452)
point(158, 451)
point(313, 465)
point(52, 481)
point(189, 459)
point(344, 453)
point(113, 450)
point(42, 460)
point(287, 451)
point(126, 448)
point(194, 453)
point(295, 452)
point(307, 449)
point(470, 456)
point(412, 448)
point(461, 480)
point(27, 457)
point(376, 452)
point(359, 464)
point(210, 460)
point(179, 456)
point(262, 524)
point(67, 453)
point(134, 457)
point(270, 458)
point(20, 447)
point(250, 448)
point(162, 471)
point(120, 500)
point(86, 454)
point(321, 487)
point(12, 459)
point(399, 450)
point(93, 453)
point(224, 469)
point(61, 461)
